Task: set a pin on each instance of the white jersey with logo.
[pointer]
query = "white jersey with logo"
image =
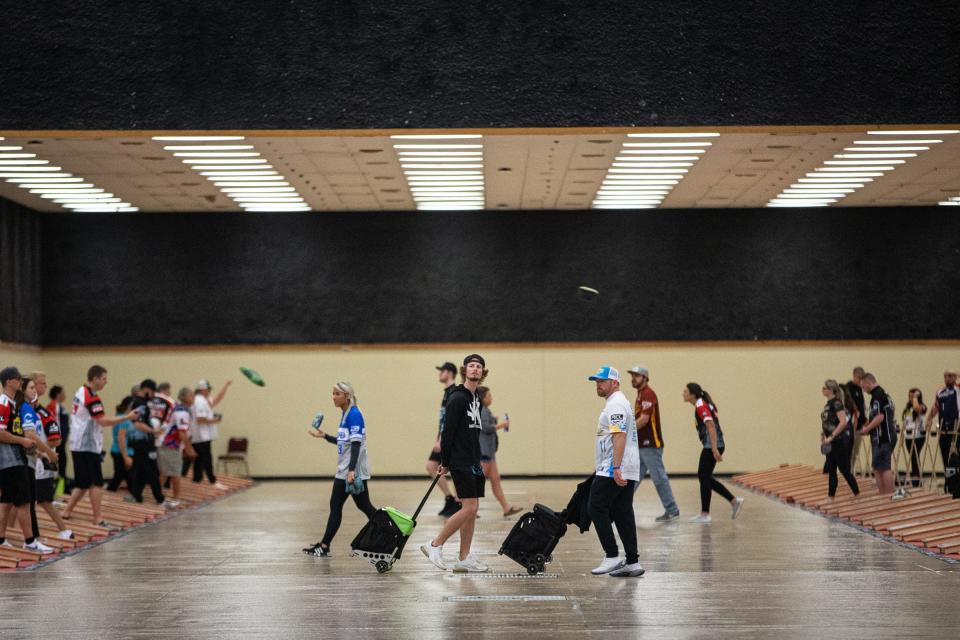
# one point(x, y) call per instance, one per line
point(617, 417)
point(203, 432)
point(86, 434)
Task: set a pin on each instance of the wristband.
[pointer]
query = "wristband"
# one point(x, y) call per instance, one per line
point(615, 468)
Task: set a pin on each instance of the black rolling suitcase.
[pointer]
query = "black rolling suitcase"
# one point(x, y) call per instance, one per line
point(534, 537)
point(382, 539)
point(951, 474)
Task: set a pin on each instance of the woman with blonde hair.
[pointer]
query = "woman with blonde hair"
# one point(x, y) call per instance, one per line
point(836, 438)
point(353, 470)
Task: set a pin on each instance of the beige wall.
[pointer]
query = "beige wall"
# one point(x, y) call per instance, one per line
point(768, 396)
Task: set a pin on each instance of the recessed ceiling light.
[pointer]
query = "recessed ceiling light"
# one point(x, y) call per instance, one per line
point(863, 163)
point(23, 163)
point(438, 146)
point(644, 165)
point(441, 166)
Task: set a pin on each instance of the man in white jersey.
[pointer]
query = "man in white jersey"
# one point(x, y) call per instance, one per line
point(206, 423)
point(86, 441)
point(617, 474)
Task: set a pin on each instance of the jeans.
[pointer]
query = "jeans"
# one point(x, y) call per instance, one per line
point(611, 503)
point(651, 460)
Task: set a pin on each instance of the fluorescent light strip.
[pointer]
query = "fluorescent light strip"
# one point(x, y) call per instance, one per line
point(918, 132)
point(886, 149)
point(851, 168)
point(922, 141)
point(196, 138)
point(643, 174)
point(443, 177)
point(57, 186)
point(435, 136)
point(239, 172)
point(672, 135)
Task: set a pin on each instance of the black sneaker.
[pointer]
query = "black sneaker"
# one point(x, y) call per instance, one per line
point(450, 507)
point(317, 550)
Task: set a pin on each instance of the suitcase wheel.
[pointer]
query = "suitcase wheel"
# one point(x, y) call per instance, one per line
point(383, 566)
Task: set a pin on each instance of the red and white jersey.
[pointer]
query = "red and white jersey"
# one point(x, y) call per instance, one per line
point(86, 434)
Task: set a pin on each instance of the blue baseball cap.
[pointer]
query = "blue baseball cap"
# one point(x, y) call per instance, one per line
point(606, 372)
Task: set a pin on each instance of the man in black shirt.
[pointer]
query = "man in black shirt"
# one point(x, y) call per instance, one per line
point(947, 408)
point(853, 388)
point(460, 453)
point(447, 376)
point(145, 471)
point(883, 432)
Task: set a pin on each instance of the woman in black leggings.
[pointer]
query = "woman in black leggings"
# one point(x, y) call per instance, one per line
point(837, 436)
point(711, 436)
point(352, 465)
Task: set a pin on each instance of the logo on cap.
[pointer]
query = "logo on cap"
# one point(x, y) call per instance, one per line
point(606, 372)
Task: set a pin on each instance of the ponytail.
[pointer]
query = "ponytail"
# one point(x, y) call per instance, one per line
point(700, 393)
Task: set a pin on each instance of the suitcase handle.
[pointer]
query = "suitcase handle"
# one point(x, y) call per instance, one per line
point(426, 496)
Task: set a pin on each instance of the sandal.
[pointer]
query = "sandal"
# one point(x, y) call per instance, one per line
point(512, 510)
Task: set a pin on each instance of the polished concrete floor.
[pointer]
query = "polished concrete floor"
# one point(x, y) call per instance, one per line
point(234, 570)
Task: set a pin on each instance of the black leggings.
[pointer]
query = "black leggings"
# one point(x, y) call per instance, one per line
point(707, 482)
point(839, 460)
point(338, 497)
point(610, 503)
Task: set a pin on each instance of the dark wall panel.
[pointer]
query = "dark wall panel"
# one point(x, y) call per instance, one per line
point(663, 275)
point(182, 64)
point(20, 285)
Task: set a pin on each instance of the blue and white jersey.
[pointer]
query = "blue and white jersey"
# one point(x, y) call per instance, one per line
point(617, 417)
point(352, 429)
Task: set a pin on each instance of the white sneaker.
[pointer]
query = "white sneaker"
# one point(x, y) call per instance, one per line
point(6, 543)
point(736, 506)
point(66, 534)
point(628, 571)
point(171, 504)
point(470, 565)
point(222, 487)
point(702, 519)
point(608, 565)
point(38, 547)
point(434, 555)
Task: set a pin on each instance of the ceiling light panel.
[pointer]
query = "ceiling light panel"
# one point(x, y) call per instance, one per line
point(645, 171)
point(238, 171)
point(39, 178)
point(855, 166)
point(443, 172)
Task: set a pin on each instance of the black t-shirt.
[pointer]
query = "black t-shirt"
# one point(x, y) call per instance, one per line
point(947, 408)
point(830, 417)
point(460, 438)
point(881, 404)
point(854, 390)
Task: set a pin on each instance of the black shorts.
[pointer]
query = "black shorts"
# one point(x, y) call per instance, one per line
point(881, 456)
point(434, 456)
point(46, 489)
point(467, 483)
point(15, 485)
point(87, 469)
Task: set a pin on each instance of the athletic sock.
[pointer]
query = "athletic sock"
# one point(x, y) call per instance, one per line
point(29, 540)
